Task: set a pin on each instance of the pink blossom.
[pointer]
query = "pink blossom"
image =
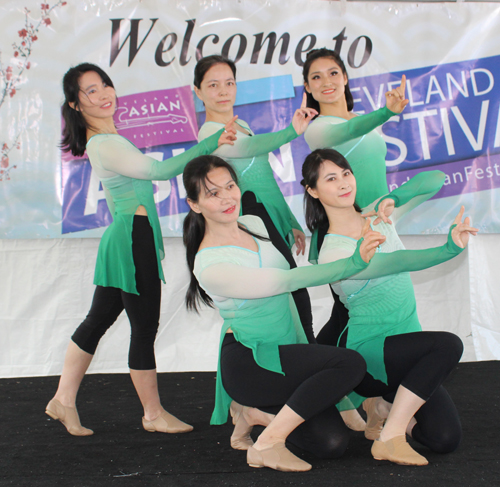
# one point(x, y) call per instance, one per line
point(64, 3)
point(5, 146)
point(22, 33)
point(12, 92)
point(16, 54)
point(45, 6)
point(5, 161)
point(34, 38)
point(47, 21)
point(28, 65)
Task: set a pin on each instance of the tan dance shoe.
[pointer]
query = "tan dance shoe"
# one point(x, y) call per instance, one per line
point(240, 439)
point(278, 457)
point(68, 417)
point(353, 420)
point(397, 450)
point(166, 423)
point(374, 422)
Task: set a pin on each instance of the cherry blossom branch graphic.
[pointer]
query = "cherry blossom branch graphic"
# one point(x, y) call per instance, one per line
point(11, 75)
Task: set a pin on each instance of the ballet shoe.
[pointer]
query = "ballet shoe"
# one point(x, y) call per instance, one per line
point(397, 450)
point(68, 417)
point(374, 422)
point(278, 457)
point(166, 423)
point(353, 420)
point(240, 439)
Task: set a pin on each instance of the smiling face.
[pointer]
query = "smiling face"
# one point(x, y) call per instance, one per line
point(219, 198)
point(326, 81)
point(218, 90)
point(97, 100)
point(335, 187)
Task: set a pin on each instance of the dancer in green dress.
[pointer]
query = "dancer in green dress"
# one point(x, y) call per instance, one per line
point(326, 84)
point(405, 365)
point(215, 85)
point(128, 269)
point(265, 362)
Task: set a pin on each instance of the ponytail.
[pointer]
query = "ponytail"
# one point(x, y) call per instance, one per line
point(193, 233)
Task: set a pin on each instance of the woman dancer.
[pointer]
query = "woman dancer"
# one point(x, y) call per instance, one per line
point(215, 85)
point(327, 87)
point(128, 268)
point(265, 361)
point(405, 365)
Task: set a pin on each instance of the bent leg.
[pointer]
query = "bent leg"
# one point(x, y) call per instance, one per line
point(438, 424)
point(316, 378)
point(324, 435)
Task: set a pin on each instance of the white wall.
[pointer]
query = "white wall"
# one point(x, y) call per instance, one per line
point(46, 289)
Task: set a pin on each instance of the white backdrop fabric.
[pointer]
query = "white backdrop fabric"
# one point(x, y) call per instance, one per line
point(47, 289)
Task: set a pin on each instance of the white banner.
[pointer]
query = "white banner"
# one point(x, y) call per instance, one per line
point(449, 52)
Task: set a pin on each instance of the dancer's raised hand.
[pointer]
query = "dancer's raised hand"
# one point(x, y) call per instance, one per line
point(229, 134)
point(461, 233)
point(370, 243)
point(384, 211)
point(303, 116)
point(395, 99)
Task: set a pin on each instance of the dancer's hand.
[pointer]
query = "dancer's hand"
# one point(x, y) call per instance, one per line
point(385, 209)
point(303, 116)
point(300, 241)
point(370, 243)
point(229, 134)
point(395, 99)
point(461, 233)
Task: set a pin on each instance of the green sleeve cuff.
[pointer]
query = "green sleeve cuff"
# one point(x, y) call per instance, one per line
point(392, 197)
point(358, 262)
point(451, 245)
point(212, 142)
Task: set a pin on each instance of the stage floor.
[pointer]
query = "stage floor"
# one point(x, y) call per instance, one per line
point(37, 451)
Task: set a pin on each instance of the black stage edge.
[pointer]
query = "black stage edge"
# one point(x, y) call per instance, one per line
point(37, 451)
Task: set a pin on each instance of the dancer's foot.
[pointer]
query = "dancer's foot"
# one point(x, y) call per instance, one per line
point(353, 420)
point(397, 450)
point(240, 439)
point(277, 457)
point(166, 423)
point(374, 419)
point(68, 417)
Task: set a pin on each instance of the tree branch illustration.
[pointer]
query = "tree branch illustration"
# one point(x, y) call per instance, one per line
point(11, 74)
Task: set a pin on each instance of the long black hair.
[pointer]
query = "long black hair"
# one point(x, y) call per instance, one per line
point(315, 213)
point(328, 53)
point(195, 178)
point(205, 63)
point(75, 126)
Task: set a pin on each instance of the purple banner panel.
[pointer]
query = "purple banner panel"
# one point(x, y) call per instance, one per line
point(155, 118)
point(466, 176)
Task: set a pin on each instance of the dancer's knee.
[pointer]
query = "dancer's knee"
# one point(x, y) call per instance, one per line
point(444, 441)
point(332, 445)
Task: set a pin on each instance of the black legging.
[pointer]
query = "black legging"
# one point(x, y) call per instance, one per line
point(420, 362)
point(143, 310)
point(334, 327)
point(250, 206)
point(316, 378)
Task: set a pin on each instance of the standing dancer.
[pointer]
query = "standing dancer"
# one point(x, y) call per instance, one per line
point(265, 361)
point(327, 87)
point(128, 268)
point(405, 365)
point(215, 85)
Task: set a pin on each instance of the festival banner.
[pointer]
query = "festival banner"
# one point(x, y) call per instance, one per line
point(450, 56)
